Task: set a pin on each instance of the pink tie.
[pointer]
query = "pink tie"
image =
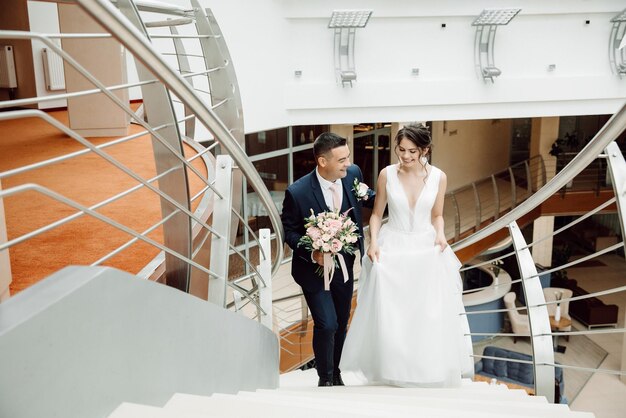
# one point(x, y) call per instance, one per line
point(336, 196)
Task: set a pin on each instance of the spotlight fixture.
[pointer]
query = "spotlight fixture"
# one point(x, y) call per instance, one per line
point(495, 17)
point(349, 18)
point(486, 24)
point(345, 23)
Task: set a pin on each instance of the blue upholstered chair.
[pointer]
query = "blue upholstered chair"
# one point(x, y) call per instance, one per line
point(513, 372)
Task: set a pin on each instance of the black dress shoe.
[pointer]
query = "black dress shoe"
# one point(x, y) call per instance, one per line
point(324, 382)
point(337, 381)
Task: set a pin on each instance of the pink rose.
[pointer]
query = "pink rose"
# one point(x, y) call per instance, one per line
point(314, 233)
point(336, 246)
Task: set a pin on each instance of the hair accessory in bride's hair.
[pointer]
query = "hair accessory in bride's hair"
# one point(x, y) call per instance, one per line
point(424, 159)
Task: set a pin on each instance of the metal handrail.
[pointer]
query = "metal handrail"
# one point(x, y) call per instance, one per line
point(489, 207)
point(546, 237)
point(103, 89)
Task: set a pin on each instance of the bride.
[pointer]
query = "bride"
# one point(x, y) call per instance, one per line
point(407, 329)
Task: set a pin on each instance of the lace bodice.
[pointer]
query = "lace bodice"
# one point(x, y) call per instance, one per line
point(401, 216)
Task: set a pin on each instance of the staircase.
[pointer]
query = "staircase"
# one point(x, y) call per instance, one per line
point(297, 396)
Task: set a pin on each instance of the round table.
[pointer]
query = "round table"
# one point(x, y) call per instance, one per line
point(557, 326)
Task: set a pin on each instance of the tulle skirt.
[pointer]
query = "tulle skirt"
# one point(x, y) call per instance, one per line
point(407, 329)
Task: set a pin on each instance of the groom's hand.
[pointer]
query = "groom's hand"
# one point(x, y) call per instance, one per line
point(318, 257)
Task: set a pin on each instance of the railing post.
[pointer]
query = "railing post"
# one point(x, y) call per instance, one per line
point(265, 269)
point(158, 107)
point(457, 217)
point(513, 189)
point(617, 169)
point(496, 198)
point(221, 224)
point(477, 206)
point(529, 185)
point(540, 332)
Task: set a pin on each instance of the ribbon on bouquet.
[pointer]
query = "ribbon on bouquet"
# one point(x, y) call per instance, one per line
point(329, 269)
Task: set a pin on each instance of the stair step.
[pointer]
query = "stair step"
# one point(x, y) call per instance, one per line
point(306, 380)
point(238, 406)
point(494, 392)
point(442, 395)
point(515, 407)
point(234, 406)
point(133, 410)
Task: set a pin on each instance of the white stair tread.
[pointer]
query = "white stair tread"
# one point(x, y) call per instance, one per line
point(307, 380)
point(239, 406)
point(133, 410)
point(415, 396)
point(516, 407)
point(494, 393)
point(235, 406)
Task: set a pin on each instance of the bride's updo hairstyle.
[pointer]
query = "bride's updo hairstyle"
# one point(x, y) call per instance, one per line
point(418, 135)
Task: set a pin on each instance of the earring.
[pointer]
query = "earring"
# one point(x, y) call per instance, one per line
point(424, 160)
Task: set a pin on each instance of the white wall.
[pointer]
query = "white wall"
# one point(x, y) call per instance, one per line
point(471, 150)
point(270, 39)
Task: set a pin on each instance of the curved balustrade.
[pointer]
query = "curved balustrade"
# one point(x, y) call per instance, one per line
point(198, 104)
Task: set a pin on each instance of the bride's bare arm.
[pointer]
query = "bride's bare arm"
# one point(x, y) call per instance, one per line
point(377, 214)
point(437, 213)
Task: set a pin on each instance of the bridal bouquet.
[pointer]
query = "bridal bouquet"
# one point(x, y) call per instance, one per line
point(330, 232)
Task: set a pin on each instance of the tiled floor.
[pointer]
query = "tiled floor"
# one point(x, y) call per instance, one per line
point(605, 394)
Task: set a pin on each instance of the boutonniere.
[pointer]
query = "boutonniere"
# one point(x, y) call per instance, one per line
point(361, 190)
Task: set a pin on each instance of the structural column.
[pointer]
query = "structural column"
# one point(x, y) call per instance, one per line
point(395, 127)
point(544, 132)
point(93, 115)
point(345, 131)
point(5, 262)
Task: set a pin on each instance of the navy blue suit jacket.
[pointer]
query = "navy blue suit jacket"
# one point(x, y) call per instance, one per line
point(302, 196)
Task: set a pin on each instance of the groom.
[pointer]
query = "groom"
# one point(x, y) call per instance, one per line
point(328, 187)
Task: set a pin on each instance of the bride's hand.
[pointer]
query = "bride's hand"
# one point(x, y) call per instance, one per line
point(373, 252)
point(440, 240)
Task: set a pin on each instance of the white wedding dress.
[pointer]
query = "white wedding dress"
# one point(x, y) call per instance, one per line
point(406, 330)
